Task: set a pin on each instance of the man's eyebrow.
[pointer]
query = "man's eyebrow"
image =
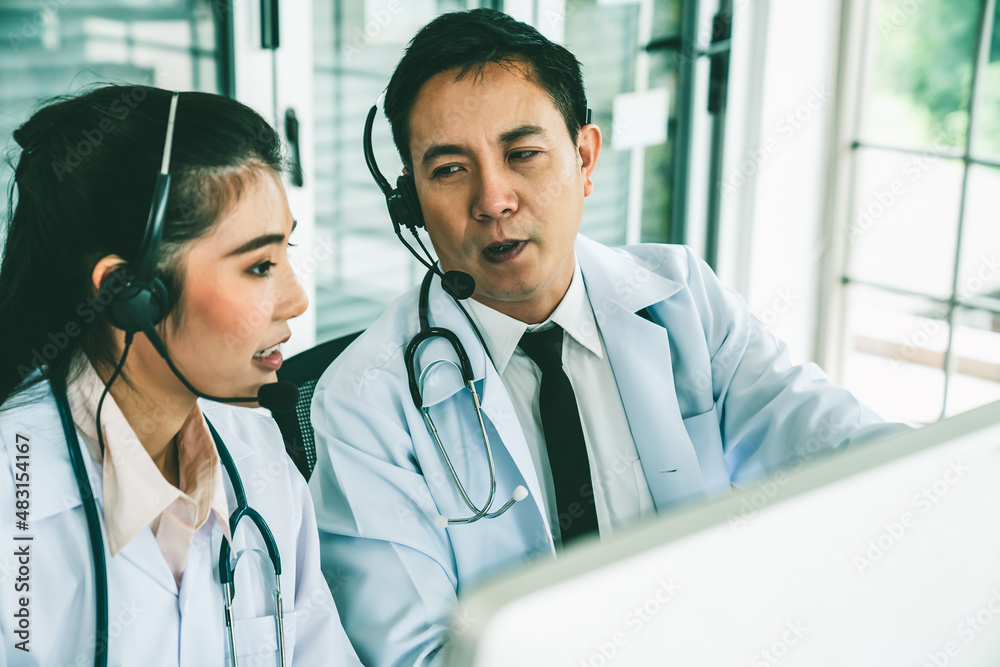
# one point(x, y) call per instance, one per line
point(518, 133)
point(260, 242)
point(508, 137)
point(437, 150)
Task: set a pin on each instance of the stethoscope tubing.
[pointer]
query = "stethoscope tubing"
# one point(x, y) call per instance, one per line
point(225, 565)
point(93, 522)
point(426, 333)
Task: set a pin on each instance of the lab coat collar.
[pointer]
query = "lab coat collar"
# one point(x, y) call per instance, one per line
point(614, 278)
point(503, 333)
point(627, 281)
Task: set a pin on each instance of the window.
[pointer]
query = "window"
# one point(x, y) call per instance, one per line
point(922, 273)
point(55, 48)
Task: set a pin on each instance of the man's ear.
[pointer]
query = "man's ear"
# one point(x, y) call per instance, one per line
point(588, 145)
point(104, 268)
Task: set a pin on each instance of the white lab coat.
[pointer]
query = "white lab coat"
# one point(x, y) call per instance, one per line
point(710, 395)
point(151, 623)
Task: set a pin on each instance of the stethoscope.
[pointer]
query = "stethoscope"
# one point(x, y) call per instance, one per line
point(226, 564)
point(427, 332)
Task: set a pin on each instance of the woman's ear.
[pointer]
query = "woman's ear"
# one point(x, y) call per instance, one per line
point(104, 268)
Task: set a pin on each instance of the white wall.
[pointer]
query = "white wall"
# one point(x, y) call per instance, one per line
point(782, 105)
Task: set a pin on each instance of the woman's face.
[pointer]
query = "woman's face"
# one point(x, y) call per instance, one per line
point(239, 293)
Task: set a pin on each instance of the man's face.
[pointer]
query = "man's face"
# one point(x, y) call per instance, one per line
point(501, 185)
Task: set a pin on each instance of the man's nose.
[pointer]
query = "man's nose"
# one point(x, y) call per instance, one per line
point(495, 196)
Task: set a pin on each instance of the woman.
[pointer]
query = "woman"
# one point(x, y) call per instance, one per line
point(88, 336)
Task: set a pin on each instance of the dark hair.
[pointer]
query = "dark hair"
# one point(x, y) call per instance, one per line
point(84, 183)
point(468, 41)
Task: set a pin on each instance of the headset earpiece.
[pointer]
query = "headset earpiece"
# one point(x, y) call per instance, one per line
point(137, 307)
point(143, 302)
point(406, 190)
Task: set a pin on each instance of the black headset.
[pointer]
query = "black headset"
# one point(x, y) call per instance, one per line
point(404, 211)
point(403, 203)
point(144, 301)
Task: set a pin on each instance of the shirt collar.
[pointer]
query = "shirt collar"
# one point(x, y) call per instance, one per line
point(134, 490)
point(574, 314)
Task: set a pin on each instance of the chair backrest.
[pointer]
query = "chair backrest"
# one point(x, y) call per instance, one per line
point(304, 370)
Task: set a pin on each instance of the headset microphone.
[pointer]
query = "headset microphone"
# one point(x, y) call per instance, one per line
point(404, 211)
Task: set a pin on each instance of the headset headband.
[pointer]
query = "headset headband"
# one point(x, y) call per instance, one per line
point(145, 264)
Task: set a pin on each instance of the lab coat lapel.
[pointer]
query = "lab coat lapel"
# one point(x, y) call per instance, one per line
point(640, 359)
point(144, 554)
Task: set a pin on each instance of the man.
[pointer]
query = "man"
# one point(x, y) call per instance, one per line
point(674, 393)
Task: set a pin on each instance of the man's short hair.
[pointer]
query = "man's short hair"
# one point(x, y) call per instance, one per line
point(470, 40)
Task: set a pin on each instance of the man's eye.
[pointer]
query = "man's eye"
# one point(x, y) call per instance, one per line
point(262, 269)
point(523, 155)
point(446, 170)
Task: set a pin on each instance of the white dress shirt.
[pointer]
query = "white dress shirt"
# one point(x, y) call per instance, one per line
point(621, 494)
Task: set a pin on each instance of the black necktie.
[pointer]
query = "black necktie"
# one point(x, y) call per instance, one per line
point(564, 441)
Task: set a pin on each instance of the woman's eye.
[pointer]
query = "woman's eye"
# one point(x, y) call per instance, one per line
point(262, 269)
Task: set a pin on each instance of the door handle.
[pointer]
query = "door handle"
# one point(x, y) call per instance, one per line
point(292, 134)
point(270, 33)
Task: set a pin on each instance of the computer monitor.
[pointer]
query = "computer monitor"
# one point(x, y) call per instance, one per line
point(885, 555)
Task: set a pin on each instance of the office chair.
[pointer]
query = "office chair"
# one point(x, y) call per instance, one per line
point(304, 370)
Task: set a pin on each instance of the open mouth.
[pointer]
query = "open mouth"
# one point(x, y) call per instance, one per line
point(505, 251)
point(270, 358)
point(268, 352)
